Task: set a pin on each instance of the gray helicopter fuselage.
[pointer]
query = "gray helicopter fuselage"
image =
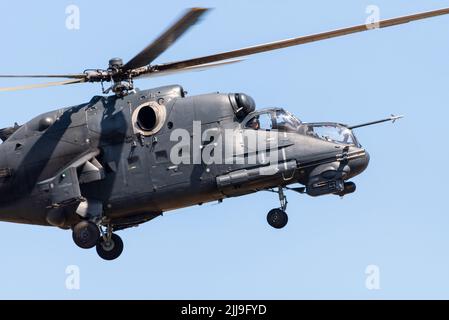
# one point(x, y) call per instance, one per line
point(97, 153)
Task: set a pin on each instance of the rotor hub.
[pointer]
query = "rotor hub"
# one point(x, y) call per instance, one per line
point(116, 63)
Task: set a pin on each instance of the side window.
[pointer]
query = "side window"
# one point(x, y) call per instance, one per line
point(260, 122)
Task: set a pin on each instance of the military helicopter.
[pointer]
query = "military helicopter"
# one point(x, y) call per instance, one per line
point(125, 158)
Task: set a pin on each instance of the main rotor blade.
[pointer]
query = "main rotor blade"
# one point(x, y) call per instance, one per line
point(295, 41)
point(68, 76)
point(42, 85)
point(188, 69)
point(150, 53)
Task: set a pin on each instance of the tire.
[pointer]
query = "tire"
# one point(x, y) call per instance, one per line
point(112, 250)
point(277, 218)
point(86, 234)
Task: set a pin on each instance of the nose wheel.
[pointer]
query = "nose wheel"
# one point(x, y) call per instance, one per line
point(278, 218)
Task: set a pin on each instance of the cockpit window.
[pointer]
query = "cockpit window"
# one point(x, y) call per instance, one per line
point(285, 121)
point(260, 122)
point(331, 133)
point(274, 119)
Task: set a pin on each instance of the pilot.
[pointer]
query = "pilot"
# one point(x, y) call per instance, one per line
point(310, 131)
point(344, 134)
point(254, 123)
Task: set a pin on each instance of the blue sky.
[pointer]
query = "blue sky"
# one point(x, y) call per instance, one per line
point(398, 219)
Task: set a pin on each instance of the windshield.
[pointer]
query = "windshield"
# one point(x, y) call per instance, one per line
point(332, 133)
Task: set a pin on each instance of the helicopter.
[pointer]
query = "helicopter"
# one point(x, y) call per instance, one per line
point(128, 156)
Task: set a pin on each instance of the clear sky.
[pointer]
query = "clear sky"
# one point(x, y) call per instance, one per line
point(398, 220)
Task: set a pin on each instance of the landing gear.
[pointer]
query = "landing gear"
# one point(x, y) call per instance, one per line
point(110, 245)
point(86, 234)
point(278, 218)
point(110, 249)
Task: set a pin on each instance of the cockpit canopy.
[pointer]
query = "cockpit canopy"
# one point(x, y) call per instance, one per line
point(274, 119)
point(283, 121)
point(331, 132)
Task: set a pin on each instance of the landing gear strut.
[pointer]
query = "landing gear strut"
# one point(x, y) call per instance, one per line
point(278, 218)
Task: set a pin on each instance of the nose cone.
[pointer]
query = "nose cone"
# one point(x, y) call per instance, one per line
point(359, 165)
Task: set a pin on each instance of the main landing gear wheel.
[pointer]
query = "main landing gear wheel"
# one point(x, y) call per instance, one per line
point(277, 218)
point(110, 249)
point(86, 234)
